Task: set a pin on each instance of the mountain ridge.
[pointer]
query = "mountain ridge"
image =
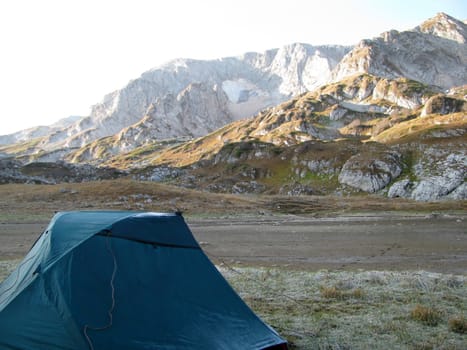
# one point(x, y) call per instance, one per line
point(127, 106)
point(364, 117)
point(428, 53)
point(260, 79)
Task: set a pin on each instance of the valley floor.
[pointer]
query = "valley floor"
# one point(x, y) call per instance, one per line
point(432, 243)
point(436, 243)
point(325, 272)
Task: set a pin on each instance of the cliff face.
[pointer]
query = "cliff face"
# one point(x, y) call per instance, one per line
point(189, 98)
point(433, 53)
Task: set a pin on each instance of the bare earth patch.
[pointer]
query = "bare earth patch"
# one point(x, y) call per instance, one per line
point(433, 243)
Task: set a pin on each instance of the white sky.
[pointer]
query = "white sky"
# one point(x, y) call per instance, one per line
point(59, 57)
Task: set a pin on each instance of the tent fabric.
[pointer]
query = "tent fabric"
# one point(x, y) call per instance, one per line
point(124, 280)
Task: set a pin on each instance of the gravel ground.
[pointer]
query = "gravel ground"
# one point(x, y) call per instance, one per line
point(430, 243)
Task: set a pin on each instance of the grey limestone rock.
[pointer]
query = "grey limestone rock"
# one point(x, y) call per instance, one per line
point(460, 193)
point(371, 173)
point(187, 97)
point(401, 189)
point(440, 176)
point(247, 187)
point(433, 53)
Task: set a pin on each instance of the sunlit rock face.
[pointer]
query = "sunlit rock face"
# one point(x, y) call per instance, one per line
point(187, 97)
point(433, 53)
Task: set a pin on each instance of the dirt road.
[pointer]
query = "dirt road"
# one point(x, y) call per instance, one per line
point(432, 243)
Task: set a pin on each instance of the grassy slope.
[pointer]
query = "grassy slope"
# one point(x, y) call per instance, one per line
point(422, 127)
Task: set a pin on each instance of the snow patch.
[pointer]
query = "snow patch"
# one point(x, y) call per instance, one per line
point(239, 91)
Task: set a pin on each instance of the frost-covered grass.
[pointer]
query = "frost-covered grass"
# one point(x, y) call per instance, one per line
point(357, 310)
point(353, 310)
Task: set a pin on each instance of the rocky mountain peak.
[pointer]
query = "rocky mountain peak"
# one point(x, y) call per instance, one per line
point(190, 98)
point(304, 67)
point(433, 53)
point(446, 27)
point(187, 98)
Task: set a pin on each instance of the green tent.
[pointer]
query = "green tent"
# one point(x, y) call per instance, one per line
point(124, 280)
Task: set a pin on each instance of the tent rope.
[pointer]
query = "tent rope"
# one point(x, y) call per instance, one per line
point(263, 285)
point(112, 287)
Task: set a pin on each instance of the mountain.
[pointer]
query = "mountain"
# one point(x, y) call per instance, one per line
point(38, 131)
point(387, 116)
point(165, 101)
point(364, 134)
point(433, 53)
point(361, 107)
point(396, 137)
point(445, 26)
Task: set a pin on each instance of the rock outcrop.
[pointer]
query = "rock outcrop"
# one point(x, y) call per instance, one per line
point(433, 53)
point(12, 171)
point(371, 172)
point(437, 176)
point(441, 104)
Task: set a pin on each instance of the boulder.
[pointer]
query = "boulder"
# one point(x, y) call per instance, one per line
point(401, 189)
point(460, 193)
point(436, 187)
point(296, 189)
point(441, 104)
point(371, 172)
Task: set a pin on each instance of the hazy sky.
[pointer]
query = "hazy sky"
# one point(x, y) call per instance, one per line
point(59, 57)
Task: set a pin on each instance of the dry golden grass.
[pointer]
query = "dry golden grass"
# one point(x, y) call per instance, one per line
point(415, 128)
point(334, 292)
point(32, 200)
point(122, 194)
point(101, 148)
point(330, 292)
point(458, 324)
point(426, 315)
point(22, 147)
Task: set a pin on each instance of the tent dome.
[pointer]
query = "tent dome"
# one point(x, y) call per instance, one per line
point(124, 280)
